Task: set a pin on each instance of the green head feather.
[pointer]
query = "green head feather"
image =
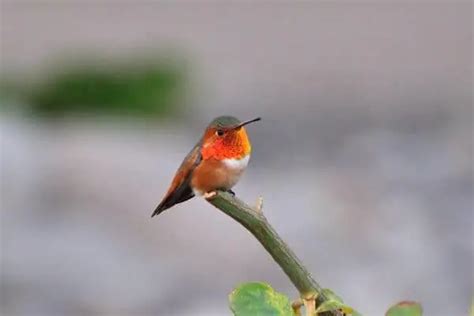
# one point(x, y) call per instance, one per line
point(224, 121)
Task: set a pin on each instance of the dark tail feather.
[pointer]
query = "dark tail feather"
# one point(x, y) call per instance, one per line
point(173, 199)
point(160, 208)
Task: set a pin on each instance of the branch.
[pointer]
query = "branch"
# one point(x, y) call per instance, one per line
point(257, 224)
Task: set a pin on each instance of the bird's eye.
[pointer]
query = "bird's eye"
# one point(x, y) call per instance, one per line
point(219, 132)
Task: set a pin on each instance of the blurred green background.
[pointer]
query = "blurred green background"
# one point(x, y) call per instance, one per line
point(140, 86)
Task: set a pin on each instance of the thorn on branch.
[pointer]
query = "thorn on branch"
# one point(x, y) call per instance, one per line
point(259, 205)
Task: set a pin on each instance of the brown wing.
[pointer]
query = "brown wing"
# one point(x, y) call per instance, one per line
point(180, 190)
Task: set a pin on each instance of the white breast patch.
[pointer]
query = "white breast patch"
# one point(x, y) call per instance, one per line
point(237, 164)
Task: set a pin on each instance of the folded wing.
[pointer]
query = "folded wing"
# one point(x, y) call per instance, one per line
point(180, 189)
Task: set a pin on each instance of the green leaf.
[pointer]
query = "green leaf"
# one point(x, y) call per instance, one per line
point(334, 305)
point(259, 299)
point(355, 313)
point(330, 305)
point(331, 296)
point(405, 308)
point(334, 302)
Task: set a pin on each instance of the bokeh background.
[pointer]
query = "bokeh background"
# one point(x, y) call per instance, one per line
point(363, 157)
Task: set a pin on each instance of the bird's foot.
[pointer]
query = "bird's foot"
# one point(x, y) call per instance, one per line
point(230, 191)
point(209, 195)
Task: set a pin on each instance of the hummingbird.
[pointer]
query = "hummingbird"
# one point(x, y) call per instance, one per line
point(216, 162)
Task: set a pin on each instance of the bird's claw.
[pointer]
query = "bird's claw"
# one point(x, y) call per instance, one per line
point(209, 195)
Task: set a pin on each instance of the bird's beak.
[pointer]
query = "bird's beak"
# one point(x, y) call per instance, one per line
point(247, 122)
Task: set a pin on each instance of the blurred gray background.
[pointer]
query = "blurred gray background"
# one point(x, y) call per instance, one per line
point(363, 157)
